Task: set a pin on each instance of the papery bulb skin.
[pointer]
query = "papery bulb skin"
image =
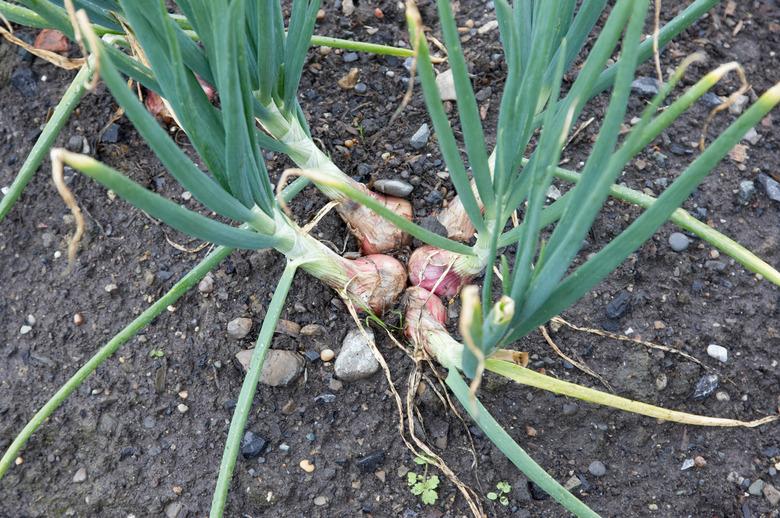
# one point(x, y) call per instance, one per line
point(424, 312)
point(375, 281)
point(429, 265)
point(157, 107)
point(374, 233)
point(455, 219)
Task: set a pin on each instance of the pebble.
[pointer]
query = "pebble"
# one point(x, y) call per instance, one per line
point(111, 287)
point(679, 241)
point(661, 381)
point(252, 445)
point(181, 407)
point(111, 135)
point(570, 409)
point(739, 104)
point(484, 94)
point(361, 88)
point(206, 284)
point(239, 327)
point(281, 368)
point(327, 355)
point(78, 319)
point(356, 360)
point(722, 395)
point(288, 327)
point(350, 57)
point(771, 187)
point(393, 187)
point(307, 466)
point(597, 468)
point(446, 85)
point(756, 488)
point(687, 464)
point(711, 100)
point(771, 494)
point(311, 355)
point(420, 137)
point(23, 80)
point(705, 386)
point(718, 352)
point(173, 510)
point(645, 86)
point(371, 462)
point(489, 26)
point(752, 136)
point(699, 461)
point(80, 476)
point(313, 330)
point(619, 305)
point(747, 188)
point(25, 329)
point(320, 501)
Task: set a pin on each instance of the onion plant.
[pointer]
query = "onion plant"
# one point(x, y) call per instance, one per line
point(255, 62)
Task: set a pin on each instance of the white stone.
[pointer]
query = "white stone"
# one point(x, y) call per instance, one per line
point(356, 359)
point(446, 85)
point(25, 329)
point(718, 352)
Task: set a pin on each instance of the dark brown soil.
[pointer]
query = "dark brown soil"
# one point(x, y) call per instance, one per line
point(142, 456)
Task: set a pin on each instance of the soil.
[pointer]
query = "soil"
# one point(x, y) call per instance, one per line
point(143, 457)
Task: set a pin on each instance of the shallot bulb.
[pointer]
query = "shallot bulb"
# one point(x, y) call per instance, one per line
point(375, 234)
point(374, 281)
point(157, 106)
point(437, 270)
point(425, 312)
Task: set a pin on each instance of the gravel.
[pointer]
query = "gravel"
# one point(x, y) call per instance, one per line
point(393, 187)
point(597, 468)
point(645, 86)
point(355, 360)
point(705, 386)
point(718, 352)
point(252, 445)
point(239, 327)
point(679, 241)
point(420, 137)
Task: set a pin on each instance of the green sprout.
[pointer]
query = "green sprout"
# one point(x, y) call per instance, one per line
point(156, 353)
point(502, 494)
point(423, 485)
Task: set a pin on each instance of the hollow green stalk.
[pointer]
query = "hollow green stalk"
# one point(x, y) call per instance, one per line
point(67, 104)
point(248, 389)
point(175, 293)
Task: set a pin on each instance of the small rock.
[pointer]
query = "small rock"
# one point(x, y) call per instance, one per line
point(487, 27)
point(252, 445)
point(705, 386)
point(24, 81)
point(446, 85)
point(756, 488)
point(572, 483)
point(484, 94)
point(74, 143)
point(718, 352)
point(645, 86)
point(80, 476)
point(313, 330)
point(739, 104)
point(361, 88)
point(288, 327)
point(53, 41)
point(311, 355)
point(771, 494)
point(553, 192)
point(619, 305)
point(335, 384)
point(771, 187)
point(699, 461)
point(371, 462)
point(25, 329)
point(206, 285)
point(349, 81)
point(397, 188)
point(111, 135)
point(420, 137)
point(350, 57)
point(570, 409)
point(356, 359)
point(327, 355)
point(747, 188)
point(752, 136)
point(307, 466)
point(711, 100)
point(661, 381)
point(722, 395)
point(173, 510)
point(181, 407)
point(110, 287)
point(47, 239)
point(281, 368)
point(325, 398)
point(687, 464)
point(679, 241)
point(239, 327)
point(320, 501)
point(78, 319)
point(597, 468)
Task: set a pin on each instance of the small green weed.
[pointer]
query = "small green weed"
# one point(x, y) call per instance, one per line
point(502, 490)
point(423, 485)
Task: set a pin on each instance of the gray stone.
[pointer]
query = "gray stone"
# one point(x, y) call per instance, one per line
point(239, 327)
point(711, 100)
point(771, 494)
point(356, 360)
point(24, 80)
point(350, 57)
point(484, 94)
point(756, 488)
point(739, 105)
point(771, 187)
point(446, 86)
point(397, 188)
point(361, 88)
point(111, 135)
point(645, 86)
point(280, 368)
point(679, 241)
point(420, 137)
point(173, 510)
point(752, 136)
point(705, 386)
point(252, 445)
point(597, 468)
point(747, 188)
point(80, 476)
